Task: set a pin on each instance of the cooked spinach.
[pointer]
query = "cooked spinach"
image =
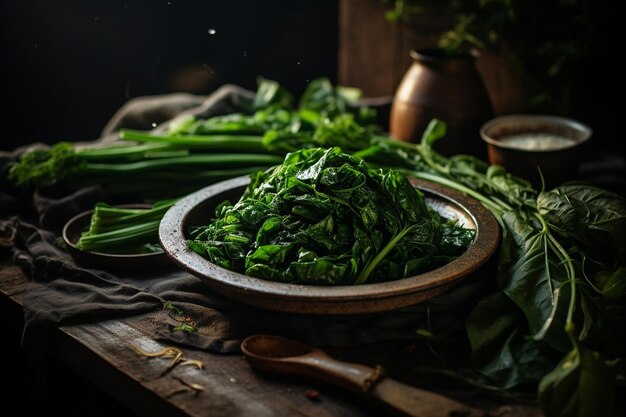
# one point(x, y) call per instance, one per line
point(324, 217)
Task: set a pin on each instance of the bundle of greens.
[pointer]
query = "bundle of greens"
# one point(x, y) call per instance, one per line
point(152, 169)
point(124, 230)
point(195, 153)
point(324, 217)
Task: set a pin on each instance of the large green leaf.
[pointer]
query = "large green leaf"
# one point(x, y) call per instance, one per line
point(270, 92)
point(612, 284)
point(535, 278)
point(581, 385)
point(593, 218)
point(501, 350)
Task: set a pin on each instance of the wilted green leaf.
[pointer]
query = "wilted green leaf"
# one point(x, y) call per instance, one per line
point(581, 385)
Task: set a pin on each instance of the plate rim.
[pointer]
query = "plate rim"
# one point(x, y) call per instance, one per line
point(171, 235)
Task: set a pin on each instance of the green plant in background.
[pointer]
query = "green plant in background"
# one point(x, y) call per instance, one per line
point(545, 39)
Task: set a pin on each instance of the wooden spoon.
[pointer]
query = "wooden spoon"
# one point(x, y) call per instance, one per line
point(277, 354)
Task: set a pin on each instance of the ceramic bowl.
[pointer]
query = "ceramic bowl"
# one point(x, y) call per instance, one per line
point(556, 164)
point(134, 262)
point(197, 209)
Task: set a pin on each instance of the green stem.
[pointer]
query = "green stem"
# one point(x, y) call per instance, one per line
point(214, 142)
point(106, 219)
point(409, 146)
point(569, 321)
point(124, 151)
point(429, 161)
point(571, 274)
point(125, 214)
point(120, 238)
point(492, 206)
point(165, 178)
point(501, 203)
point(369, 268)
point(206, 161)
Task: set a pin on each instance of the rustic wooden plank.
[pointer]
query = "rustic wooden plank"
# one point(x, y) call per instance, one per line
point(373, 52)
point(232, 388)
point(507, 89)
point(104, 375)
point(366, 52)
point(103, 354)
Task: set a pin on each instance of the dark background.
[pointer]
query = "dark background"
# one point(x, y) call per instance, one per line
point(69, 65)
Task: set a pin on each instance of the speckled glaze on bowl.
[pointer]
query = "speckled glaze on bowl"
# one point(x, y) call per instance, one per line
point(198, 208)
point(137, 262)
point(556, 165)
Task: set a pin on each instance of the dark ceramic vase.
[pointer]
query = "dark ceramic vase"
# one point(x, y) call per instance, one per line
point(446, 87)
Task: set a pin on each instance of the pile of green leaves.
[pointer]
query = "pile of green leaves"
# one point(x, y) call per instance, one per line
point(325, 116)
point(324, 217)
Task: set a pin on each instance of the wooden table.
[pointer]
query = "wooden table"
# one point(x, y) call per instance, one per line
point(102, 353)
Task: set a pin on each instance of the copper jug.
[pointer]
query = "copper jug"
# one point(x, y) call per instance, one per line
point(446, 87)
